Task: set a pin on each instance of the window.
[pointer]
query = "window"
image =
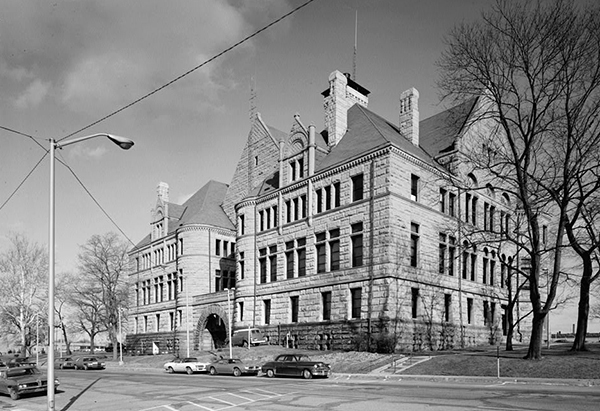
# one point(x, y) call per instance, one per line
point(262, 262)
point(241, 265)
point(326, 303)
point(469, 310)
point(355, 302)
point(337, 197)
point(485, 265)
point(241, 311)
point(218, 284)
point(467, 206)
point(334, 250)
point(442, 254)
point(289, 259)
point(414, 187)
point(414, 244)
point(218, 247)
point(301, 257)
point(225, 248)
point(294, 308)
point(267, 311)
point(328, 198)
point(443, 195)
point(474, 210)
point(357, 187)
point(451, 254)
point(303, 205)
point(492, 270)
point(241, 225)
point(486, 313)
point(171, 321)
point(157, 323)
point(414, 302)
point(273, 262)
point(328, 251)
point(357, 244)
point(319, 200)
point(452, 204)
point(447, 307)
point(473, 266)
point(321, 253)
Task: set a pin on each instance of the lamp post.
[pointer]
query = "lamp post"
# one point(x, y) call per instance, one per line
point(229, 318)
point(125, 144)
point(120, 340)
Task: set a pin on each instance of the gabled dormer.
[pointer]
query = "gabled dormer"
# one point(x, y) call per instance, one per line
point(159, 220)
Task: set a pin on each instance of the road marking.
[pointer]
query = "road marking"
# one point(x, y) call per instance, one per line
point(243, 398)
point(223, 401)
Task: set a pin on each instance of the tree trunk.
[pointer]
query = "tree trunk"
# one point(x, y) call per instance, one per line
point(537, 334)
point(583, 312)
point(66, 338)
point(510, 328)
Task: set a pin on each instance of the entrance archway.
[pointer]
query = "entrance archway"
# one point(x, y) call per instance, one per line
point(211, 331)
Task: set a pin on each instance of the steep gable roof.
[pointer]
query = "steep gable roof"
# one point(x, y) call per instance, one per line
point(438, 133)
point(203, 207)
point(368, 132)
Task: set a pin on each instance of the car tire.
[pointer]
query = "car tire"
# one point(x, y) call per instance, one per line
point(170, 370)
point(75, 367)
point(85, 367)
point(212, 371)
point(62, 367)
point(14, 394)
point(270, 373)
point(245, 344)
point(307, 374)
point(237, 372)
point(189, 370)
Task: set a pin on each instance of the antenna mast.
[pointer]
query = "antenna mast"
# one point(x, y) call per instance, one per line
point(354, 57)
point(252, 99)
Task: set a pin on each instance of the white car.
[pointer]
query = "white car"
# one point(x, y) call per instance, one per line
point(188, 364)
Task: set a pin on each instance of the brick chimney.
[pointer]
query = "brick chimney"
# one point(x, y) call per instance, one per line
point(163, 191)
point(343, 93)
point(409, 115)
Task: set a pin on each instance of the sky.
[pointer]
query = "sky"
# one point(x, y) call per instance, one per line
point(66, 65)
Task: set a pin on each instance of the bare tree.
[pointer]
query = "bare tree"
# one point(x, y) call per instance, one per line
point(64, 291)
point(90, 310)
point(529, 62)
point(23, 279)
point(103, 262)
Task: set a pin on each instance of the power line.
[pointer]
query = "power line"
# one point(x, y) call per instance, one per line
point(23, 182)
point(96, 201)
point(190, 71)
point(35, 140)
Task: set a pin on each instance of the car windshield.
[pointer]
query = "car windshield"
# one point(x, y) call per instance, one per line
point(304, 358)
point(16, 372)
point(191, 360)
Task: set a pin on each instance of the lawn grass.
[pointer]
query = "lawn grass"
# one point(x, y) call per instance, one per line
point(557, 362)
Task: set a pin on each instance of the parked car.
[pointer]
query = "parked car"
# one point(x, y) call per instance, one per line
point(26, 379)
point(15, 361)
point(89, 363)
point(65, 362)
point(254, 335)
point(232, 366)
point(188, 364)
point(296, 365)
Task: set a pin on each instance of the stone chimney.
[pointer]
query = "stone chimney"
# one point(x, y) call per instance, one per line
point(343, 93)
point(409, 115)
point(163, 191)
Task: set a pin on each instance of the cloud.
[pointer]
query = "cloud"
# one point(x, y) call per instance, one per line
point(85, 151)
point(33, 94)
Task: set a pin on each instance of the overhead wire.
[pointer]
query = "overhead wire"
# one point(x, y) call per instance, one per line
point(189, 71)
point(63, 162)
point(147, 95)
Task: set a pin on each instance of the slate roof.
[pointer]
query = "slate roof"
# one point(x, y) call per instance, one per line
point(204, 207)
point(368, 132)
point(438, 133)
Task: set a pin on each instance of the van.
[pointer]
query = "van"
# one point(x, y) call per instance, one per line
point(240, 337)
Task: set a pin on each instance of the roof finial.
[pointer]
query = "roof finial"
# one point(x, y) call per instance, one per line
point(252, 98)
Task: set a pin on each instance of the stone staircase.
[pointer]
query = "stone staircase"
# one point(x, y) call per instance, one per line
point(400, 364)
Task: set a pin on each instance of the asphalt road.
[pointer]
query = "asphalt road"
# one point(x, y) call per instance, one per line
point(157, 391)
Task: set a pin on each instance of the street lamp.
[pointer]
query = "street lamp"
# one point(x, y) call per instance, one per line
point(120, 340)
point(229, 318)
point(125, 144)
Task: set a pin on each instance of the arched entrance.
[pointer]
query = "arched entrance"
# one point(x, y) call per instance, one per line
point(211, 331)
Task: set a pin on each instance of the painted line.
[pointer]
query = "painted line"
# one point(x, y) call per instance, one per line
point(223, 401)
point(199, 406)
point(243, 398)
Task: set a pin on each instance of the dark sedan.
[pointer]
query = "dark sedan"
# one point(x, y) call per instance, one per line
point(296, 365)
point(24, 379)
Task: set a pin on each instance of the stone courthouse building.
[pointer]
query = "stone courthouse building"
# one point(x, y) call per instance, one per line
point(329, 239)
